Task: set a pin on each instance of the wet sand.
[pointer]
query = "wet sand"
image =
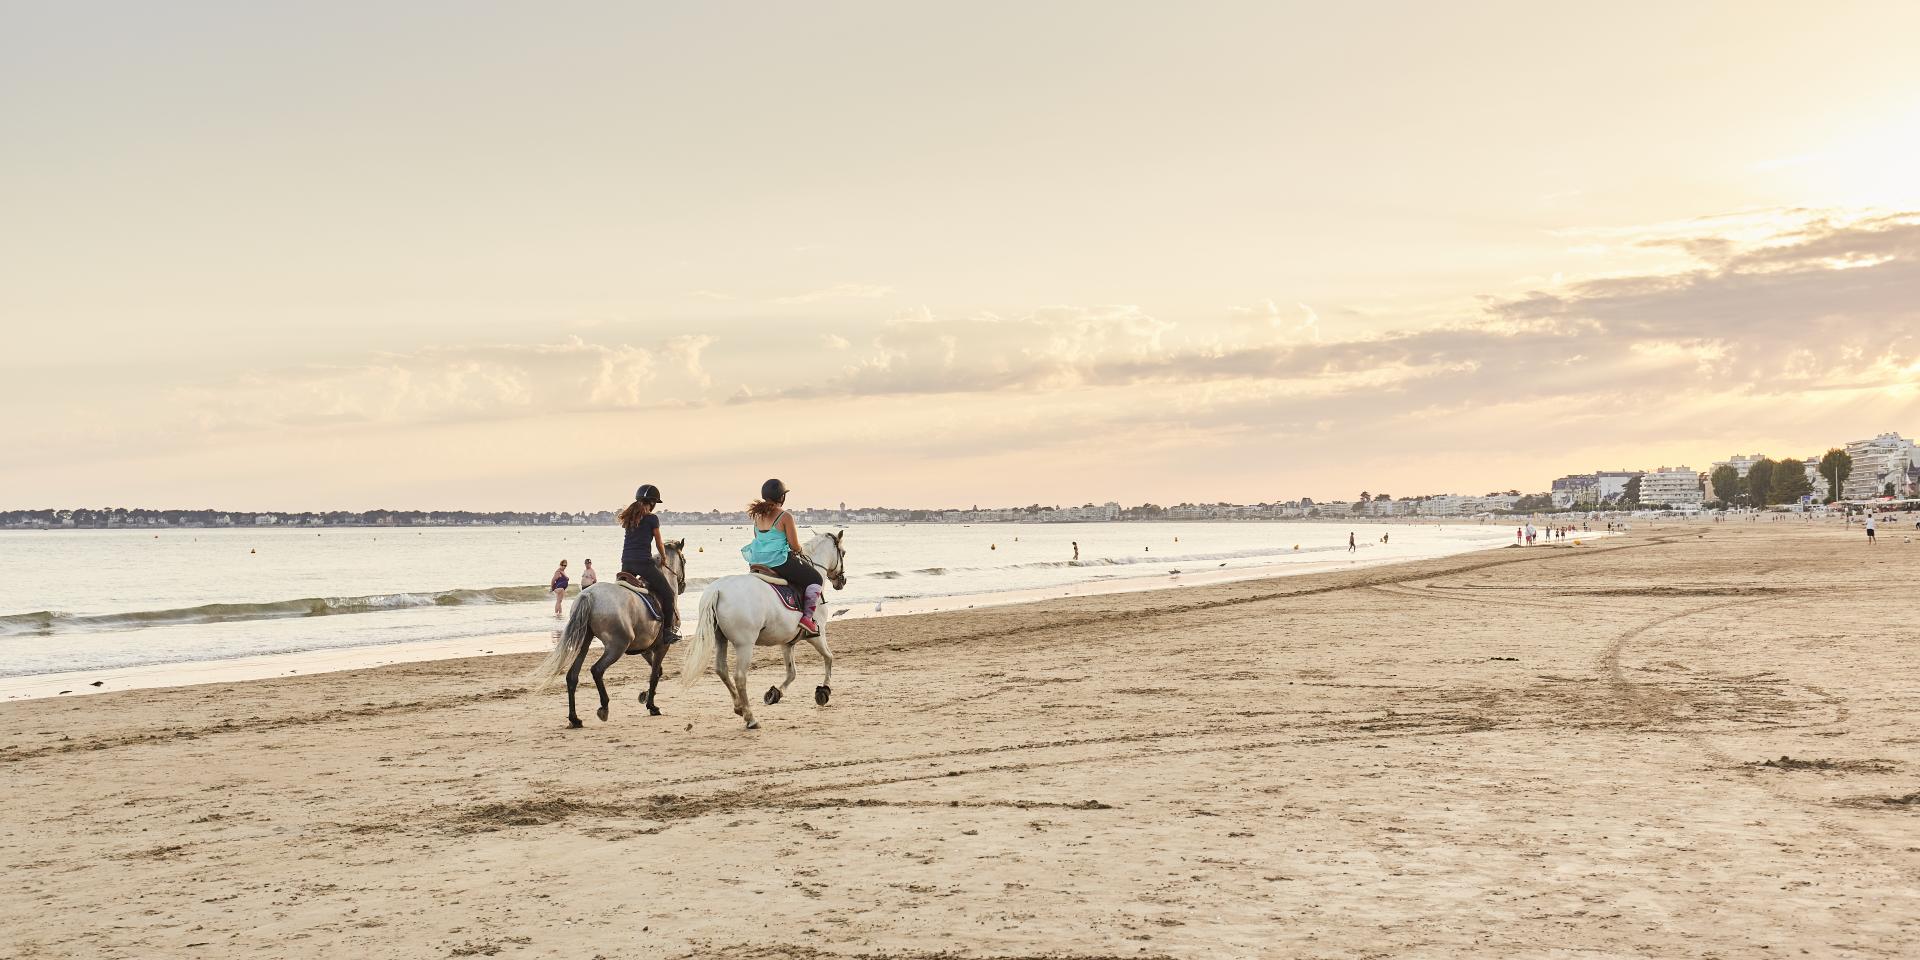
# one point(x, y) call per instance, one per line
point(1514, 753)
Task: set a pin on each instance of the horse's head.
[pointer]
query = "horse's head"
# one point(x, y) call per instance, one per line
point(827, 552)
point(674, 558)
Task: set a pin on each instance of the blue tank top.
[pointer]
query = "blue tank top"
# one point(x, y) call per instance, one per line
point(768, 547)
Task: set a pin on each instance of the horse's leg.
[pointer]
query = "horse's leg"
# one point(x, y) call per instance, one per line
point(611, 650)
point(743, 659)
point(775, 693)
point(573, 682)
point(656, 658)
point(720, 651)
point(825, 689)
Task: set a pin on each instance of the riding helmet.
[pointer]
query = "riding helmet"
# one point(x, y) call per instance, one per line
point(648, 492)
point(774, 491)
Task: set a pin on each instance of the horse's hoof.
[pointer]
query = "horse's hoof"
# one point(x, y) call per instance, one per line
point(753, 724)
point(653, 711)
point(773, 695)
point(821, 694)
point(574, 723)
point(601, 713)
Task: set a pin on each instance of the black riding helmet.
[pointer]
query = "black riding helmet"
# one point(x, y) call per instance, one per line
point(773, 491)
point(648, 492)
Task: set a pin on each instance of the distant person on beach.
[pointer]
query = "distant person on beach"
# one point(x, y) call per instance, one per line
point(1352, 544)
point(587, 577)
point(558, 585)
point(1870, 526)
point(642, 528)
point(1076, 551)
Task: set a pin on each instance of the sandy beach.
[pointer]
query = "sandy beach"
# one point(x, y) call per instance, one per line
point(1692, 741)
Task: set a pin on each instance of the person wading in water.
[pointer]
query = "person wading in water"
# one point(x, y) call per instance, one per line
point(636, 556)
point(776, 545)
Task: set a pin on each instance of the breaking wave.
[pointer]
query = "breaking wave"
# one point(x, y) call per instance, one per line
point(48, 622)
point(53, 622)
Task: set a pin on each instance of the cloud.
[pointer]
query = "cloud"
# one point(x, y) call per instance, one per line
point(839, 291)
point(1819, 303)
point(443, 384)
point(916, 353)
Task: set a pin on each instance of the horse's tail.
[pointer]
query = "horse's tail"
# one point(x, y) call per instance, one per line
point(700, 649)
point(573, 639)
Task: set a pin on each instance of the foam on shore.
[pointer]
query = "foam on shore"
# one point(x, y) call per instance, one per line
point(238, 669)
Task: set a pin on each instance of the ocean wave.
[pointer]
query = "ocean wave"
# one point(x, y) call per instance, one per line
point(49, 622)
point(54, 622)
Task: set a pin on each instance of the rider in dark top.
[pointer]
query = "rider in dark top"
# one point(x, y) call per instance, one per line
point(636, 555)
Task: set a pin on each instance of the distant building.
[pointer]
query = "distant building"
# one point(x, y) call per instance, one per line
point(1886, 460)
point(1574, 489)
point(1817, 479)
point(1678, 488)
point(1740, 462)
point(1611, 485)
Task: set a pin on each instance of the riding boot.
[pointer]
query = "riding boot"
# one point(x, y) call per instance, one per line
point(807, 623)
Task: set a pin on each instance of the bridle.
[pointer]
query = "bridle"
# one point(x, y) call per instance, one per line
point(678, 576)
point(837, 573)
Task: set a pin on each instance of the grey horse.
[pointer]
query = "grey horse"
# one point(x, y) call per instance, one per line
point(614, 615)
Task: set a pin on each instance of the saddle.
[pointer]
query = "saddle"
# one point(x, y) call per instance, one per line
point(639, 589)
point(766, 573)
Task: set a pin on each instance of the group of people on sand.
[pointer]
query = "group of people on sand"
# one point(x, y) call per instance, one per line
point(1529, 535)
point(775, 546)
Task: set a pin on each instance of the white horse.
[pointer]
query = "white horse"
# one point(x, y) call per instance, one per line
point(741, 612)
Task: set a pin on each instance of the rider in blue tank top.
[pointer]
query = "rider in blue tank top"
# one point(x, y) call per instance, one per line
point(776, 544)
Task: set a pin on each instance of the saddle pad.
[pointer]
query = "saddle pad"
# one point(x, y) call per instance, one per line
point(789, 597)
point(653, 608)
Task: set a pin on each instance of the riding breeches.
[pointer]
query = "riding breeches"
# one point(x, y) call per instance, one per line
point(799, 573)
point(649, 574)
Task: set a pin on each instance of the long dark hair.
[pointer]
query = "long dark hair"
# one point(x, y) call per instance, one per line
point(630, 517)
point(764, 509)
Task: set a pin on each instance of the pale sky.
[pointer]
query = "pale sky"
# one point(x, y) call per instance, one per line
point(493, 256)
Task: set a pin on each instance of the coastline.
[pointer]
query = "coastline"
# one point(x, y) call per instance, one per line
point(76, 683)
point(1506, 753)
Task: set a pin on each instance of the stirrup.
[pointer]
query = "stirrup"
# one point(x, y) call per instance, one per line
point(807, 631)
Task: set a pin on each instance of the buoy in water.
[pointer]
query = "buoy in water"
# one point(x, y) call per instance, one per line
point(993, 546)
point(253, 551)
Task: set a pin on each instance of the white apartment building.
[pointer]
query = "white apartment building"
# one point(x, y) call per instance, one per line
point(1496, 501)
point(1612, 484)
point(1817, 479)
point(1886, 459)
point(1457, 505)
point(1678, 488)
point(1740, 462)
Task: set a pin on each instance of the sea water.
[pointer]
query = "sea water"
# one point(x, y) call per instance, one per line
point(103, 599)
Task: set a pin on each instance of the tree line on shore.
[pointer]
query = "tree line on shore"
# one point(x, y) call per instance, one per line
point(1769, 481)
